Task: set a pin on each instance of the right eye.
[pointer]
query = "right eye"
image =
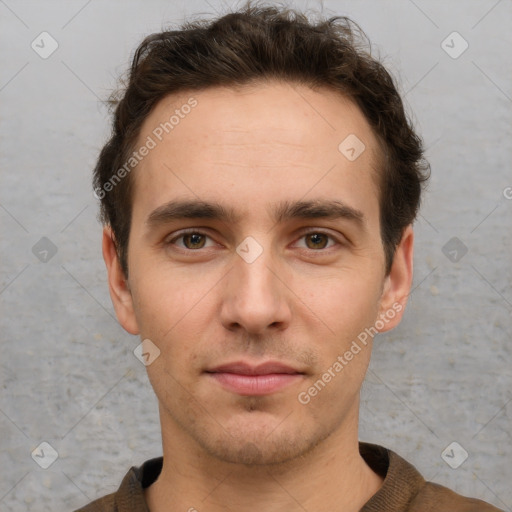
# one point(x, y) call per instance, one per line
point(192, 240)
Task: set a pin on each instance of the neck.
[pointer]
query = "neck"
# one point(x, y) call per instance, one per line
point(332, 476)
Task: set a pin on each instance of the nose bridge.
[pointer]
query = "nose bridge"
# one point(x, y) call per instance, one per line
point(253, 268)
point(254, 296)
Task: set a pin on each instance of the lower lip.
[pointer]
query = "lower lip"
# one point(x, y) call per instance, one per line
point(255, 385)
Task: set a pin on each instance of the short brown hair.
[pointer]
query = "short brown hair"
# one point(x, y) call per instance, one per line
point(265, 43)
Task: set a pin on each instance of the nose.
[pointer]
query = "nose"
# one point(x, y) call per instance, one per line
point(255, 295)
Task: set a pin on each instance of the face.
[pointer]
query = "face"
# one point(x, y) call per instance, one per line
point(255, 263)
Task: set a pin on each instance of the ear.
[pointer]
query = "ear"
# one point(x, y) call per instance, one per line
point(120, 293)
point(397, 284)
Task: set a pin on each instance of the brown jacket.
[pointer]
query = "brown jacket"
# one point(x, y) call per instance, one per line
point(403, 490)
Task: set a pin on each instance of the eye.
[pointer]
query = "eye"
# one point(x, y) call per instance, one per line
point(317, 240)
point(192, 240)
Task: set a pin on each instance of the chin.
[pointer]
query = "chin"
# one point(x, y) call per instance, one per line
point(260, 442)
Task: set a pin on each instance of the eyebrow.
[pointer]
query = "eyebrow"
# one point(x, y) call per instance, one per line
point(180, 209)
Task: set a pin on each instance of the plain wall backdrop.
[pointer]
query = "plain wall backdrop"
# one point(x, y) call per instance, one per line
point(68, 373)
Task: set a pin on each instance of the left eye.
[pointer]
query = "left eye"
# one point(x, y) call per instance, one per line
point(316, 240)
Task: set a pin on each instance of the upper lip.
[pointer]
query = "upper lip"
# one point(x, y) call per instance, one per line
point(243, 368)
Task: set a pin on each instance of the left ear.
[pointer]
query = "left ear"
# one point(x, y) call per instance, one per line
point(397, 284)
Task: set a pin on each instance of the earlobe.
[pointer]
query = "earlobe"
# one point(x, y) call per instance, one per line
point(397, 284)
point(120, 293)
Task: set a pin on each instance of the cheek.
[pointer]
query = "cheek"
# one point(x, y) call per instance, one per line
point(344, 303)
point(164, 298)
point(174, 313)
point(347, 311)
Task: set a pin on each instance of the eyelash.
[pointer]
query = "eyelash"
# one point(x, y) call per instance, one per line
point(192, 231)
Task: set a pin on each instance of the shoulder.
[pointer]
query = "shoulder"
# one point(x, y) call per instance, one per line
point(434, 497)
point(431, 497)
point(130, 495)
point(405, 490)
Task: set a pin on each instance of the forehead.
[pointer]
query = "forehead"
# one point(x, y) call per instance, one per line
point(272, 140)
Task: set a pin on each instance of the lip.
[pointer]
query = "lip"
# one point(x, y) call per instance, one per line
point(243, 368)
point(255, 380)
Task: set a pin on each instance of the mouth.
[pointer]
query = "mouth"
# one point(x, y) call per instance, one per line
point(255, 380)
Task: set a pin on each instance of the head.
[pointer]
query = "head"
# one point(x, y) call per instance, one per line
point(284, 149)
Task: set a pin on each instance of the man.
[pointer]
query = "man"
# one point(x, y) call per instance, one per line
point(258, 194)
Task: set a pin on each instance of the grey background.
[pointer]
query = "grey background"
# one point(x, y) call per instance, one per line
point(67, 370)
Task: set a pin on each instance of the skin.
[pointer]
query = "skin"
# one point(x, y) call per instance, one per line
point(303, 301)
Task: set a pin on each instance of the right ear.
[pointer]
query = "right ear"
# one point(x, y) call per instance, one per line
point(118, 284)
